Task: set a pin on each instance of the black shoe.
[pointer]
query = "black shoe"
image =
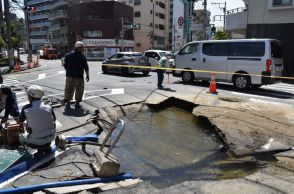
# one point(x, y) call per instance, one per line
point(160, 87)
point(67, 105)
point(77, 105)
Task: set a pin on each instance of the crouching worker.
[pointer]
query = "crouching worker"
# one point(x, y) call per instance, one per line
point(8, 102)
point(40, 129)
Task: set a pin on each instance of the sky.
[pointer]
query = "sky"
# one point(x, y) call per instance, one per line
point(214, 9)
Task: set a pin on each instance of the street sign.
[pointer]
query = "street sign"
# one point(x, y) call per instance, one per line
point(132, 26)
point(181, 21)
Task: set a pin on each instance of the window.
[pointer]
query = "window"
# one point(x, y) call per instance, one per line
point(162, 5)
point(92, 34)
point(161, 27)
point(137, 14)
point(161, 15)
point(276, 49)
point(247, 49)
point(278, 3)
point(188, 49)
point(137, 2)
point(216, 49)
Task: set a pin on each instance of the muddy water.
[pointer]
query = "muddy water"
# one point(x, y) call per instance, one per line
point(171, 146)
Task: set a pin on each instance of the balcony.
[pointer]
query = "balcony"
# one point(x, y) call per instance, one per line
point(38, 41)
point(42, 8)
point(34, 2)
point(236, 19)
point(41, 24)
point(36, 33)
point(58, 15)
point(58, 4)
point(37, 17)
point(57, 27)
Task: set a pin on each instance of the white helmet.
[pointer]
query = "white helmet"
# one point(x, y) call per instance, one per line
point(79, 44)
point(35, 91)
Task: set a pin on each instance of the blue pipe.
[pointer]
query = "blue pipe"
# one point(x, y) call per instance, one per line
point(89, 137)
point(33, 188)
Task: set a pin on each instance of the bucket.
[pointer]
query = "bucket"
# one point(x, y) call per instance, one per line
point(12, 135)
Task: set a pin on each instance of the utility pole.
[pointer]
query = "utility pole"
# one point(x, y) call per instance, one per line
point(27, 18)
point(224, 8)
point(1, 22)
point(122, 34)
point(153, 26)
point(174, 26)
point(8, 29)
point(1, 19)
point(205, 19)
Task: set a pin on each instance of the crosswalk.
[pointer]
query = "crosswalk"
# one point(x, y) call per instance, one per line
point(281, 87)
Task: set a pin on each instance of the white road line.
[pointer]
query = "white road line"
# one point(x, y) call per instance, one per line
point(59, 73)
point(117, 91)
point(23, 103)
point(259, 96)
point(268, 102)
point(58, 124)
point(20, 93)
point(113, 92)
point(42, 76)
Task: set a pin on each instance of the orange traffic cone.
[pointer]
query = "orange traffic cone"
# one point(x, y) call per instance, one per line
point(30, 65)
point(212, 85)
point(17, 67)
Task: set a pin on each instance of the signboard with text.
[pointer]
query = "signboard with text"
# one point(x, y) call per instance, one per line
point(99, 42)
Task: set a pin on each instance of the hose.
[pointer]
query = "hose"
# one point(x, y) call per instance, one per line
point(38, 187)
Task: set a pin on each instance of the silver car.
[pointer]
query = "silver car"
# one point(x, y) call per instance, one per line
point(126, 63)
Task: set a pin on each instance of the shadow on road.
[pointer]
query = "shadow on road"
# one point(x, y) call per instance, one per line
point(76, 112)
point(254, 91)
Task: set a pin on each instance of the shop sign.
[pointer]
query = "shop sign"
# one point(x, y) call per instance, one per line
point(99, 42)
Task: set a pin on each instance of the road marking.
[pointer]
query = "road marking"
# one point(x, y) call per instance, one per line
point(269, 102)
point(59, 73)
point(58, 124)
point(42, 76)
point(113, 92)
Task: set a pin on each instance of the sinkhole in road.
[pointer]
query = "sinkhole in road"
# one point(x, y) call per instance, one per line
point(169, 146)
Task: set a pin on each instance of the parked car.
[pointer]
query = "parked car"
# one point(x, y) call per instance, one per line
point(22, 51)
point(155, 55)
point(126, 59)
point(244, 62)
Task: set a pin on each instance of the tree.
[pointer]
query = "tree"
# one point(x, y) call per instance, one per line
point(2, 43)
point(222, 35)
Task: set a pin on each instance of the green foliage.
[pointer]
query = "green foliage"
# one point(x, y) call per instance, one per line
point(5, 61)
point(222, 35)
point(16, 33)
point(2, 43)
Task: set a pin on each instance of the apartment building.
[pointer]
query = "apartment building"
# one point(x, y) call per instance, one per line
point(273, 19)
point(97, 23)
point(153, 17)
point(38, 23)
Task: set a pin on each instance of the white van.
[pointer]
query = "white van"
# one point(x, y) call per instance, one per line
point(243, 62)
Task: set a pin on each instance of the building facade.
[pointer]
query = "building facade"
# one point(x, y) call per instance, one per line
point(273, 19)
point(38, 22)
point(197, 24)
point(97, 23)
point(176, 24)
point(153, 18)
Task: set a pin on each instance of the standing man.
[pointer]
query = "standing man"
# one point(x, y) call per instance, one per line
point(162, 63)
point(41, 127)
point(8, 102)
point(75, 64)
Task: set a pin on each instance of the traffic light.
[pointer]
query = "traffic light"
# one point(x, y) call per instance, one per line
point(213, 29)
point(30, 9)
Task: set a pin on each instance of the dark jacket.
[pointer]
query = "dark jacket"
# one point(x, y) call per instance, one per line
point(75, 64)
point(11, 107)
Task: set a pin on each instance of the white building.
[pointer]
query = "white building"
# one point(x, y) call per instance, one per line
point(273, 19)
point(176, 24)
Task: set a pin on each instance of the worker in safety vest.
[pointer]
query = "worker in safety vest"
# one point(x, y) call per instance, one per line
point(162, 63)
point(40, 128)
